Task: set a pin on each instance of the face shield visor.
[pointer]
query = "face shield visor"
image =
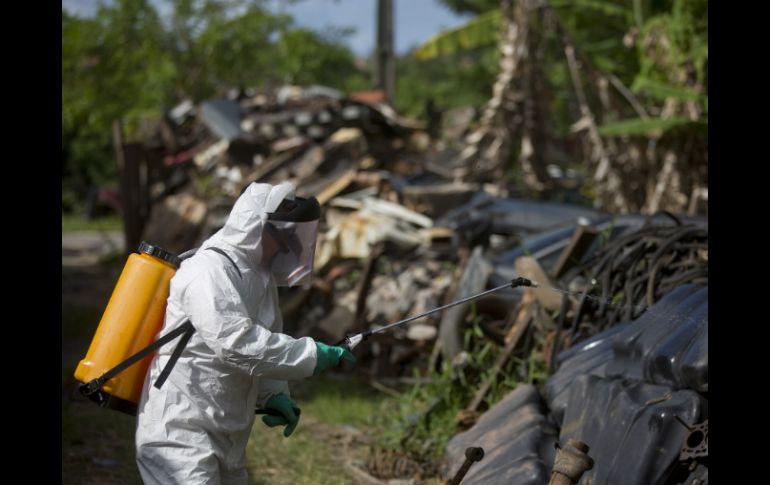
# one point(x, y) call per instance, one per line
point(289, 241)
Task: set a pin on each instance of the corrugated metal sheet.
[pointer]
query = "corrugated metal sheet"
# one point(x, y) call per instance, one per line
point(619, 392)
point(517, 215)
point(518, 442)
point(588, 357)
point(668, 344)
point(630, 426)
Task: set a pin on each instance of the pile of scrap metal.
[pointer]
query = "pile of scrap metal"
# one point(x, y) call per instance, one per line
point(201, 157)
point(628, 400)
point(397, 228)
point(379, 261)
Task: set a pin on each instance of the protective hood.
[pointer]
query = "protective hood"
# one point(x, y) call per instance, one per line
point(244, 228)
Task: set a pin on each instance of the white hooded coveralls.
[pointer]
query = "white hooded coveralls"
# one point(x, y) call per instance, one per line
point(195, 428)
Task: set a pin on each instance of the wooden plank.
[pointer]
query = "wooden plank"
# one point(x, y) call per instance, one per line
point(176, 223)
point(271, 165)
point(337, 186)
point(575, 250)
point(359, 321)
point(528, 267)
point(523, 319)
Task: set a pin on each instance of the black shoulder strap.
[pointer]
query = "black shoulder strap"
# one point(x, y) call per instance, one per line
point(175, 355)
point(217, 250)
point(186, 329)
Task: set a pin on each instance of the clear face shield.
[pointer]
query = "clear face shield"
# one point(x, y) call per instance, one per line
point(288, 247)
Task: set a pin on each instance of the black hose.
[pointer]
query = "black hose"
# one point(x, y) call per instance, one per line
point(640, 267)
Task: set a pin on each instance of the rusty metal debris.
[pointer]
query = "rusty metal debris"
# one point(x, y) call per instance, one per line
point(517, 436)
point(392, 464)
point(571, 462)
point(696, 443)
point(637, 391)
point(472, 455)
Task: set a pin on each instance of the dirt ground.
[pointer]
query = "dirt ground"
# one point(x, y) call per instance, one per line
point(96, 445)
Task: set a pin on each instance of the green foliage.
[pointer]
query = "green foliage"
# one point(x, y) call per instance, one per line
point(126, 63)
point(598, 28)
point(336, 401)
point(663, 90)
point(72, 223)
point(471, 6)
point(312, 455)
point(464, 79)
point(604, 236)
point(480, 31)
point(311, 58)
point(638, 126)
point(110, 68)
point(658, 48)
point(238, 51)
point(599, 7)
point(674, 44)
point(455, 68)
point(423, 419)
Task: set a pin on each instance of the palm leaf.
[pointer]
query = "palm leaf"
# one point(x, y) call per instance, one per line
point(483, 30)
point(648, 127)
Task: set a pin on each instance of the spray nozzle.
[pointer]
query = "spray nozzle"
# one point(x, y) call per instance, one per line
point(523, 282)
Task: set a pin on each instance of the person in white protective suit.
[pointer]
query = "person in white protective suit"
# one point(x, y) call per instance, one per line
point(194, 429)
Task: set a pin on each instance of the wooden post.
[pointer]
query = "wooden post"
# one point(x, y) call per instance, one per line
point(386, 57)
point(571, 255)
point(117, 142)
point(129, 157)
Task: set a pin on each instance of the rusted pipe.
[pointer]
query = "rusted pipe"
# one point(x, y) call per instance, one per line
point(472, 455)
point(570, 463)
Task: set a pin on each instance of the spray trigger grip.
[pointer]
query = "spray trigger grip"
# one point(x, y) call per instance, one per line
point(350, 342)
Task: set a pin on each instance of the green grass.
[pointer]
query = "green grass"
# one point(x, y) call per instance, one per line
point(336, 401)
point(306, 457)
point(75, 223)
point(316, 451)
point(423, 419)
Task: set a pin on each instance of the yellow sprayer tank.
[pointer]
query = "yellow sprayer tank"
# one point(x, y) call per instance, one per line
point(131, 321)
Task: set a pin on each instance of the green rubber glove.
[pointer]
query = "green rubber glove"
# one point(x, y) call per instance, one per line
point(329, 356)
point(285, 406)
